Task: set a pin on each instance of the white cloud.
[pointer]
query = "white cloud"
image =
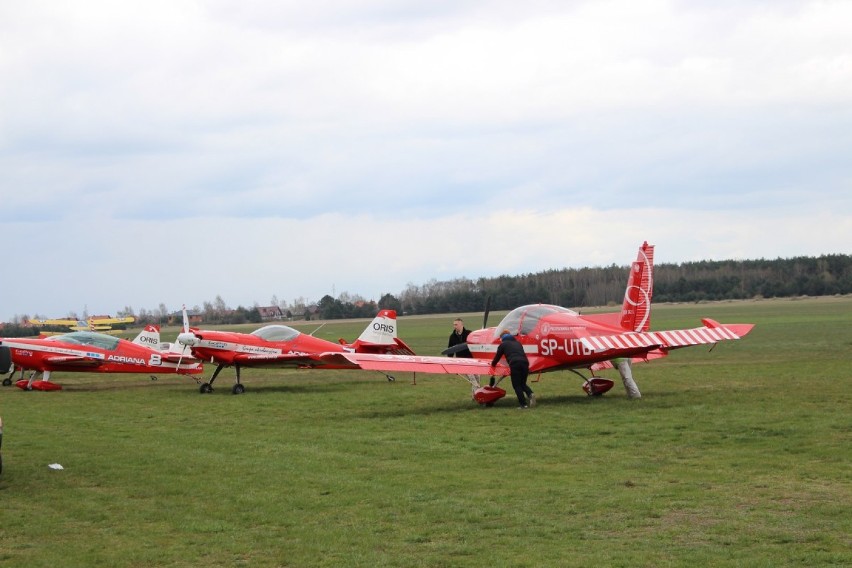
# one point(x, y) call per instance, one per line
point(243, 124)
point(247, 261)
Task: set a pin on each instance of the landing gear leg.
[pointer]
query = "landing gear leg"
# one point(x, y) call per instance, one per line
point(208, 387)
point(474, 384)
point(7, 382)
point(238, 388)
point(33, 376)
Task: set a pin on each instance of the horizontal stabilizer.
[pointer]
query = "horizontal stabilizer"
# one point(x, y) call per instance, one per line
point(671, 339)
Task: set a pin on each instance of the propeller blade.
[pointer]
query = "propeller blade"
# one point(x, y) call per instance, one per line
point(487, 309)
point(454, 349)
point(185, 320)
point(185, 339)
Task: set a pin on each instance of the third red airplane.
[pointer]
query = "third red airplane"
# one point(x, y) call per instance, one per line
point(557, 338)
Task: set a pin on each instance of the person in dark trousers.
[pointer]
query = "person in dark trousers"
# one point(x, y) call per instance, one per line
point(459, 336)
point(519, 366)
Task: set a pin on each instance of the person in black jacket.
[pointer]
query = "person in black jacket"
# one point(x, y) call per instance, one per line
point(519, 366)
point(457, 337)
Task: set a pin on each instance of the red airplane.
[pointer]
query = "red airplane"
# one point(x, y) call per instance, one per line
point(275, 346)
point(556, 338)
point(90, 352)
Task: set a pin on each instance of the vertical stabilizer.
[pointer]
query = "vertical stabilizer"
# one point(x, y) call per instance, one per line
point(636, 309)
point(381, 331)
point(149, 337)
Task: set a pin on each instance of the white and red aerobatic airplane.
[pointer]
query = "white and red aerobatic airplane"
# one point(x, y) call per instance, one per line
point(91, 352)
point(275, 346)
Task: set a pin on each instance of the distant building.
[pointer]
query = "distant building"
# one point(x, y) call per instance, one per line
point(193, 317)
point(268, 313)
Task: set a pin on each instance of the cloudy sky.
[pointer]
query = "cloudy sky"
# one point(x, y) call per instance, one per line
point(171, 151)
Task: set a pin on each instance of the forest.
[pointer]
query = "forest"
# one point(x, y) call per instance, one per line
point(569, 287)
point(685, 282)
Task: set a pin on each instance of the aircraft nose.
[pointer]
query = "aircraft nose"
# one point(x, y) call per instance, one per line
point(188, 339)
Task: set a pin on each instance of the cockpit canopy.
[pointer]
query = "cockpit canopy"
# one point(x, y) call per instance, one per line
point(100, 340)
point(276, 333)
point(521, 321)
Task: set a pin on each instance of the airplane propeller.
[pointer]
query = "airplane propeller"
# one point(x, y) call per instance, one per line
point(487, 310)
point(185, 338)
point(454, 349)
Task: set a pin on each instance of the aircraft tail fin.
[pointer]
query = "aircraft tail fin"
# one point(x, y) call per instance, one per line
point(149, 337)
point(380, 331)
point(636, 308)
point(380, 336)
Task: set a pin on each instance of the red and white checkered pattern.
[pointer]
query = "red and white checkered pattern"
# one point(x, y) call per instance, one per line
point(663, 339)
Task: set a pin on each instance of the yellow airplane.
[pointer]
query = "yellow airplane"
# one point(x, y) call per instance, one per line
point(94, 323)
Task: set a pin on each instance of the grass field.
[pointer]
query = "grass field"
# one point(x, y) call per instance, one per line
point(735, 457)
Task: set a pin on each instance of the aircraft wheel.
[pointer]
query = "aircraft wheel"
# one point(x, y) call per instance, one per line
point(7, 382)
point(205, 388)
point(238, 389)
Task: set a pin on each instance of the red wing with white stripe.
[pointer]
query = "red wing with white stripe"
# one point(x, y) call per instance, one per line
point(414, 364)
point(711, 332)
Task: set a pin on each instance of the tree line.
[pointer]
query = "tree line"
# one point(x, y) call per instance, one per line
point(684, 282)
point(570, 287)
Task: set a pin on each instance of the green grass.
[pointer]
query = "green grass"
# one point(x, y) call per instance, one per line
point(736, 457)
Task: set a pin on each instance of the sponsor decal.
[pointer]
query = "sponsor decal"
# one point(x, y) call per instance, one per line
point(259, 350)
point(383, 327)
point(548, 328)
point(126, 360)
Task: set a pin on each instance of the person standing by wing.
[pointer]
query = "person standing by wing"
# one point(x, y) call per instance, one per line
point(457, 337)
point(519, 366)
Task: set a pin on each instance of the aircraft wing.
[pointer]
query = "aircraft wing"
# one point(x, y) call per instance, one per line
point(278, 360)
point(711, 332)
point(175, 357)
point(415, 364)
point(73, 361)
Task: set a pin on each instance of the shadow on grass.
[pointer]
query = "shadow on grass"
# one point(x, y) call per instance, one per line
point(506, 405)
